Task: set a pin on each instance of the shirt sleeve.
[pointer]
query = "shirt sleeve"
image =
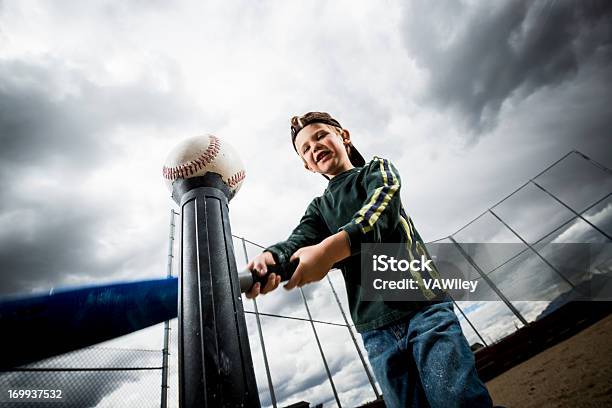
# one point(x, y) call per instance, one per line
point(380, 212)
point(310, 231)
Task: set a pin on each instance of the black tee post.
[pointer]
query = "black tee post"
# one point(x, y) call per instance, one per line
point(215, 364)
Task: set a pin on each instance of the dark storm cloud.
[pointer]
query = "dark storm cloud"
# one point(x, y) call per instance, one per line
point(58, 244)
point(477, 57)
point(49, 112)
point(53, 117)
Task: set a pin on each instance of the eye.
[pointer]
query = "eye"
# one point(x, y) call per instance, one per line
point(305, 149)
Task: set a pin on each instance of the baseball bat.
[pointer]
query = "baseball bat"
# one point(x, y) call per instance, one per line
point(249, 278)
point(42, 326)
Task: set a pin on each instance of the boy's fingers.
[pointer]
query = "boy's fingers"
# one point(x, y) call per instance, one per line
point(270, 259)
point(253, 292)
point(270, 284)
point(295, 279)
point(303, 282)
point(261, 268)
point(295, 255)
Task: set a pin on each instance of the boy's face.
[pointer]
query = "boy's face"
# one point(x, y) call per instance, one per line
point(323, 149)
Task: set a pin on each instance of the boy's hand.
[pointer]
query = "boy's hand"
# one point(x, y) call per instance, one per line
point(259, 264)
point(313, 266)
point(317, 260)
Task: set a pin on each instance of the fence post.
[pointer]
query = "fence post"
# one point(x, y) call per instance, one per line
point(533, 249)
point(469, 322)
point(572, 210)
point(365, 366)
point(331, 381)
point(261, 339)
point(489, 282)
point(165, 353)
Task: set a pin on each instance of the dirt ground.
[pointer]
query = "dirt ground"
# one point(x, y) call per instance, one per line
point(575, 373)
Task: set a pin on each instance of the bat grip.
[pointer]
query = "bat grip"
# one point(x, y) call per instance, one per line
point(249, 278)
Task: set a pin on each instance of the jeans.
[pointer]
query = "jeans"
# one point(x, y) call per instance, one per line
point(425, 361)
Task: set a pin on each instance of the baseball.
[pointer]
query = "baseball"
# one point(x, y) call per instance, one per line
point(199, 155)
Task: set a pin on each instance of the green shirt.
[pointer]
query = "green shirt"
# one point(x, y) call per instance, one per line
point(365, 202)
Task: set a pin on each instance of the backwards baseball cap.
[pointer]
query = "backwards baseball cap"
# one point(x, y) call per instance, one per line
point(300, 122)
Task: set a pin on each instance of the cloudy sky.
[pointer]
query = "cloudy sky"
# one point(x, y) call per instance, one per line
point(468, 99)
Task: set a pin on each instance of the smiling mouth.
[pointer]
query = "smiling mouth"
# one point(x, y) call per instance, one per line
point(322, 156)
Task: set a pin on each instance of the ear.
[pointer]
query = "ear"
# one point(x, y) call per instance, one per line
point(346, 137)
point(306, 165)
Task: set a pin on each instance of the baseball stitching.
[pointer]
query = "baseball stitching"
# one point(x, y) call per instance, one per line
point(191, 167)
point(236, 178)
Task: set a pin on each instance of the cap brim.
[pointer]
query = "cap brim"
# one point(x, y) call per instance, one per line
point(356, 158)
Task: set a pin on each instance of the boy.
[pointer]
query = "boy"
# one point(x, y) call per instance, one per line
point(417, 349)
